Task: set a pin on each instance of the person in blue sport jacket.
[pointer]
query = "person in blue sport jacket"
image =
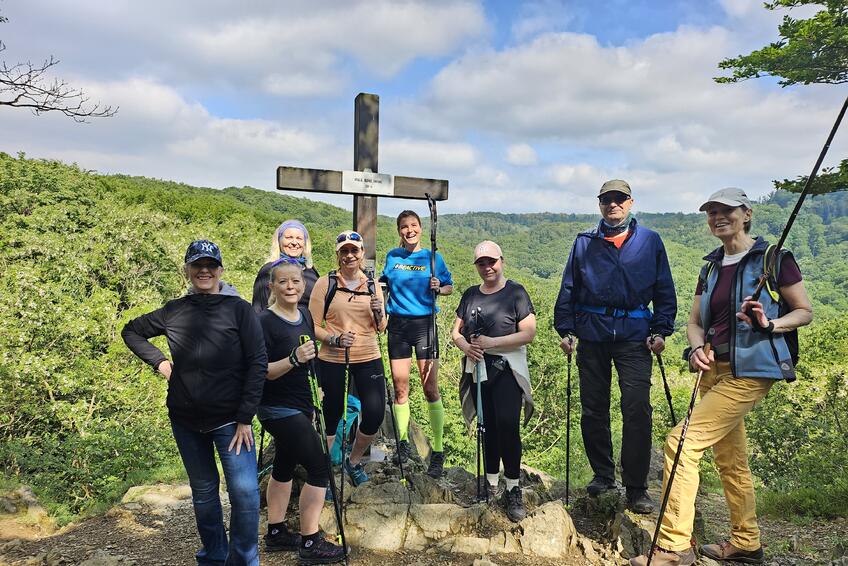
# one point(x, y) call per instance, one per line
point(613, 274)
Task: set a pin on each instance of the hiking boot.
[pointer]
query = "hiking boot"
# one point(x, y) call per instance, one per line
point(639, 501)
point(357, 473)
point(515, 510)
point(726, 551)
point(322, 552)
point(664, 557)
point(403, 452)
point(281, 539)
point(437, 465)
point(599, 485)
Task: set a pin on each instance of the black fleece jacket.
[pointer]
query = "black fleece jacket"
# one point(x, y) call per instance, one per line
point(219, 358)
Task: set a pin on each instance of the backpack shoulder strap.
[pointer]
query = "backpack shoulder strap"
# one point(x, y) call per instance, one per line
point(774, 277)
point(704, 275)
point(332, 287)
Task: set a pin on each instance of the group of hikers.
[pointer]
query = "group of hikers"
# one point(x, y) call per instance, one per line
point(230, 361)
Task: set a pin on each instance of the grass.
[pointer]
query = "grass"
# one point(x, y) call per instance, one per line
point(825, 502)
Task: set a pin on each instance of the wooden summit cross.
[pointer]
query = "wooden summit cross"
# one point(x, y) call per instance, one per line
point(364, 183)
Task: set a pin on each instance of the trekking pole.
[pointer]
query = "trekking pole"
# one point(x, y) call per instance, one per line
point(770, 266)
point(266, 469)
point(344, 421)
point(679, 450)
point(322, 433)
point(433, 338)
point(568, 430)
point(390, 398)
point(665, 386)
point(481, 425)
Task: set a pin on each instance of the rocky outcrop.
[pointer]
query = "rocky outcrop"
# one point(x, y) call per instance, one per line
point(426, 514)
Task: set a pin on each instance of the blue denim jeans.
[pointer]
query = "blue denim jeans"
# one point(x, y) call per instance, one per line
point(197, 450)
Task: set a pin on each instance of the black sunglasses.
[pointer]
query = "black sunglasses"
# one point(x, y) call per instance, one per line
point(619, 198)
point(353, 237)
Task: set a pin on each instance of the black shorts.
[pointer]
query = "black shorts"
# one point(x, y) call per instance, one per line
point(408, 332)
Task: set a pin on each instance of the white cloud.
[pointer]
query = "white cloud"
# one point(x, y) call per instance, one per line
point(521, 154)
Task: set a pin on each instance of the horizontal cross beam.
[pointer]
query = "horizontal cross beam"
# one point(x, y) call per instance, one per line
point(328, 181)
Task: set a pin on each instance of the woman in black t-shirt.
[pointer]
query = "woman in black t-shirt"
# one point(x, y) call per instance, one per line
point(494, 323)
point(292, 240)
point(286, 411)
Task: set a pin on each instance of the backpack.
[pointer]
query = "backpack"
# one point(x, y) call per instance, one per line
point(333, 286)
point(354, 408)
point(773, 290)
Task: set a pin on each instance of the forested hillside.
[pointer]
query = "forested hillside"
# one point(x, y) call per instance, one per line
point(81, 253)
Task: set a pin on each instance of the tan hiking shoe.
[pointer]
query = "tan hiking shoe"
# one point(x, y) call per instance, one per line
point(664, 557)
point(726, 551)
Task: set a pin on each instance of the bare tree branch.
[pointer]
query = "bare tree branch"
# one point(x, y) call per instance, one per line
point(27, 85)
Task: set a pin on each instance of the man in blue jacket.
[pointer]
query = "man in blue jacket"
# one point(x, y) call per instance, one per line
point(613, 273)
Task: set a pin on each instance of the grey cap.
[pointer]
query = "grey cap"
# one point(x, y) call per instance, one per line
point(730, 196)
point(615, 185)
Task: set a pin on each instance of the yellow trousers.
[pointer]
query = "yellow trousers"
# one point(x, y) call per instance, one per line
point(718, 422)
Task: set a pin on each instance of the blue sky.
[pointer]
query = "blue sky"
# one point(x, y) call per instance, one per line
point(523, 107)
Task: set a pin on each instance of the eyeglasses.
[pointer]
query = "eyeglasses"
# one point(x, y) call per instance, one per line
point(353, 237)
point(619, 198)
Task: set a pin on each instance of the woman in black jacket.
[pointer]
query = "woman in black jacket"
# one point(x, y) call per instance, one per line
point(214, 386)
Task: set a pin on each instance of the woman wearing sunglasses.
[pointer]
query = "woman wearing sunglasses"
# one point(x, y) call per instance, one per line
point(410, 308)
point(291, 240)
point(347, 328)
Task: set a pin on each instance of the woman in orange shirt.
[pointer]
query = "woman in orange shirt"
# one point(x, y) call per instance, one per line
point(349, 325)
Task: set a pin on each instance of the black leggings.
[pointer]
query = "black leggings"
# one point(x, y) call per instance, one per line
point(370, 382)
point(502, 400)
point(297, 442)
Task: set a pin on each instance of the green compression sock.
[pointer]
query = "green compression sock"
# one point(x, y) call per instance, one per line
point(437, 423)
point(402, 416)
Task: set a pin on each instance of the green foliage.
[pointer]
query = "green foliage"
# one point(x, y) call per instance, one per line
point(830, 180)
point(80, 254)
point(812, 50)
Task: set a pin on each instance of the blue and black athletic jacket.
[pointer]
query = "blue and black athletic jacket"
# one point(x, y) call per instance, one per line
point(752, 354)
point(606, 292)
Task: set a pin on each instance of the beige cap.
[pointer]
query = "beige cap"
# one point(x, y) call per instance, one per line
point(349, 237)
point(487, 248)
point(615, 185)
point(730, 197)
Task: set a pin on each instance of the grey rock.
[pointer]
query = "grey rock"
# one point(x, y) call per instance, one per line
point(634, 537)
point(163, 497)
point(102, 558)
point(7, 506)
point(548, 532)
point(483, 561)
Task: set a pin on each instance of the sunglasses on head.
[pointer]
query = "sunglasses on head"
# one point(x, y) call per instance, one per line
point(618, 198)
point(353, 237)
point(287, 261)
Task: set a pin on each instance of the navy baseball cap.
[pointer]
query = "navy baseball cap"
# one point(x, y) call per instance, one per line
point(199, 249)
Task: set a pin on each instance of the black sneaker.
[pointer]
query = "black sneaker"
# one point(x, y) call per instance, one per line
point(599, 485)
point(322, 552)
point(403, 452)
point(639, 501)
point(437, 464)
point(515, 510)
point(281, 539)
